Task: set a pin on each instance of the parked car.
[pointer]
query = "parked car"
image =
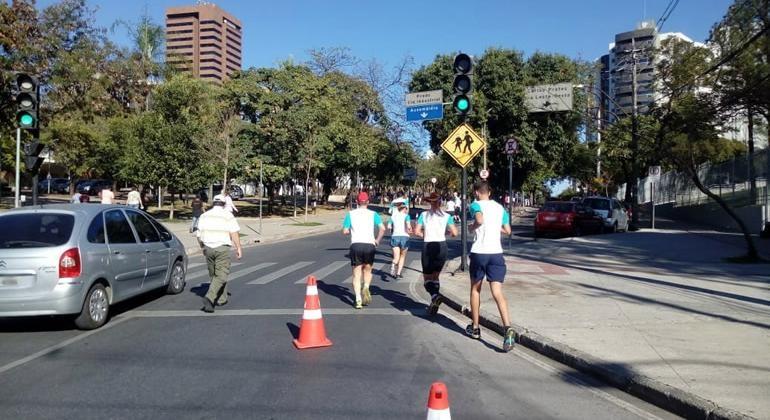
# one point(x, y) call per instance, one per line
point(566, 217)
point(76, 259)
point(612, 212)
point(236, 192)
point(93, 186)
point(58, 185)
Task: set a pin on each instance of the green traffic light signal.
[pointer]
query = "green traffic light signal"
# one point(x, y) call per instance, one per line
point(462, 104)
point(26, 120)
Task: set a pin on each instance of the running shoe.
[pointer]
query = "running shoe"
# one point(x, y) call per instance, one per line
point(474, 333)
point(359, 305)
point(367, 297)
point(434, 304)
point(509, 339)
point(399, 276)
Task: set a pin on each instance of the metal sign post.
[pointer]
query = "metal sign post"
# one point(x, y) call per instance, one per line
point(464, 219)
point(18, 165)
point(654, 174)
point(511, 147)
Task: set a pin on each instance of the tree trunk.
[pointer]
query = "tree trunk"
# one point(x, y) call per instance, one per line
point(307, 181)
point(751, 249)
point(160, 197)
point(752, 177)
point(171, 212)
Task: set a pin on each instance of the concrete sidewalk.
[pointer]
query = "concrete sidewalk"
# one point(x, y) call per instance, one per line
point(274, 229)
point(658, 313)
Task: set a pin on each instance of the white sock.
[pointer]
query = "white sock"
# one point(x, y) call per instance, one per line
point(358, 296)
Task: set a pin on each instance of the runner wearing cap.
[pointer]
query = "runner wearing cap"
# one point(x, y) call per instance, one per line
point(489, 220)
point(432, 226)
point(401, 227)
point(360, 224)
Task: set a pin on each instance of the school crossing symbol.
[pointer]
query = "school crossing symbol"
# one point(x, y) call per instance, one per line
point(463, 144)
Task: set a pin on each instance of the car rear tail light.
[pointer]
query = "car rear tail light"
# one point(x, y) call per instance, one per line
point(69, 264)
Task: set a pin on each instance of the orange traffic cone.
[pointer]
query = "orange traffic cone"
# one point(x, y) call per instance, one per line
point(311, 330)
point(438, 402)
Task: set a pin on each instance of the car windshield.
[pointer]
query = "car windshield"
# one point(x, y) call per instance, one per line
point(35, 230)
point(558, 207)
point(597, 203)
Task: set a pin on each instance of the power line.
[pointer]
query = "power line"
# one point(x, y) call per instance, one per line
point(667, 13)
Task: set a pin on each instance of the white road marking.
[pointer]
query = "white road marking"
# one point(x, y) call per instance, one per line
point(266, 312)
point(204, 272)
point(326, 271)
point(280, 273)
point(247, 271)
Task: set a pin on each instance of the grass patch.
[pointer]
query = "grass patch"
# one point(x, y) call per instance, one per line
point(306, 224)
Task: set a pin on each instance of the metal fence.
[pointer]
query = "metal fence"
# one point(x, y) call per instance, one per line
point(729, 180)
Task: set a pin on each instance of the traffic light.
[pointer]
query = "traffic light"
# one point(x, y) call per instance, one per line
point(32, 157)
point(463, 84)
point(27, 97)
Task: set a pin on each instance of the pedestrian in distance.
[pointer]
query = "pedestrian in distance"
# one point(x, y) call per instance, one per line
point(108, 197)
point(229, 205)
point(490, 220)
point(134, 199)
point(84, 198)
point(198, 207)
point(218, 233)
point(399, 196)
point(432, 226)
point(75, 198)
point(401, 227)
point(360, 224)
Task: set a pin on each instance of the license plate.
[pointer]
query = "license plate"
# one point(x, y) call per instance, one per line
point(15, 281)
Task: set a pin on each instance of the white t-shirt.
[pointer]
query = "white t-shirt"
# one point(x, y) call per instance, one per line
point(361, 223)
point(434, 225)
point(107, 196)
point(450, 206)
point(399, 222)
point(215, 226)
point(487, 236)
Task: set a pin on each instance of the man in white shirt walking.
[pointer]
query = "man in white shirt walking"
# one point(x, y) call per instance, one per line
point(107, 196)
point(218, 232)
point(360, 224)
point(489, 220)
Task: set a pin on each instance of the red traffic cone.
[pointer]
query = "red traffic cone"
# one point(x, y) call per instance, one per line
point(438, 402)
point(311, 330)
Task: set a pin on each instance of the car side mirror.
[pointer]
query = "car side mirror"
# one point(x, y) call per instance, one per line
point(165, 236)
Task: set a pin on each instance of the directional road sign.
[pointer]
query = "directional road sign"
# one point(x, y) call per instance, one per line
point(424, 98)
point(425, 112)
point(549, 98)
point(463, 144)
point(511, 146)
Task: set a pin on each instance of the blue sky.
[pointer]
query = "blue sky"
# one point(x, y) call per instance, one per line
point(391, 29)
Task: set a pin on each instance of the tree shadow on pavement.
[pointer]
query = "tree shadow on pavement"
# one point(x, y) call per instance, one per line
point(402, 302)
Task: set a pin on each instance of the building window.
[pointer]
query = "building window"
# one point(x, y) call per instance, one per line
point(211, 37)
point(179, 39)
point(211, 53)
point(175, 24)
point(182, 31)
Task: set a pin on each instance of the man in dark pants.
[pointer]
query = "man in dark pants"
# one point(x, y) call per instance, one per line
point(218, 232)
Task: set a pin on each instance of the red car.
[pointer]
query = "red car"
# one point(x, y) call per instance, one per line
point(566, 218)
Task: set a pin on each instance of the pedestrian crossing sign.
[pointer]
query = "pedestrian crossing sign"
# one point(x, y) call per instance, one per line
point(463, 144)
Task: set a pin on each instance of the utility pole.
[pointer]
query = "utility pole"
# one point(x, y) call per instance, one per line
point(17, 202)
point(634, 143)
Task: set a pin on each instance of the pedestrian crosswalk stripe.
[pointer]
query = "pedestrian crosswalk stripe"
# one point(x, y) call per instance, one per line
point(280, 273)
point(203, 272)
point(247, 271)
point(326, 271)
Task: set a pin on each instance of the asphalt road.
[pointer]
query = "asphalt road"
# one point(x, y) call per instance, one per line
point(161, 357)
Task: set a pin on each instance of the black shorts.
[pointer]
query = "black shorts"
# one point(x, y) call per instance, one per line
point(361, 254)
point(433, 257)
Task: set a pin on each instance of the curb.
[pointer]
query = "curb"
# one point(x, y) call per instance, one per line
point(669, 398)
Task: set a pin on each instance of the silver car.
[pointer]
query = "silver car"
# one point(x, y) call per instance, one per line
point(82, 258)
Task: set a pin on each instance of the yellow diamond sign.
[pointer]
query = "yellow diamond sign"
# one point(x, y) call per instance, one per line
point(463, 144)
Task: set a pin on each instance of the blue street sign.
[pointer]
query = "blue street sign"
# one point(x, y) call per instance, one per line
point(425, 112)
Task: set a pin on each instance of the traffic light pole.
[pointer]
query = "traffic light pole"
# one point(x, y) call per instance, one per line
point(16, 202)
point(34, 189)
point(464, 219)
point(510, 197)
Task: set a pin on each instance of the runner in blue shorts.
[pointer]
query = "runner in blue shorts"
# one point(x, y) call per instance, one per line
point(489, 220)
point(401, 227)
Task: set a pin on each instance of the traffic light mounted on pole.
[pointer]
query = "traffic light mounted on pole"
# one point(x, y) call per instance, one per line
point(32, 158)
point(463, 84)
point(27, 97)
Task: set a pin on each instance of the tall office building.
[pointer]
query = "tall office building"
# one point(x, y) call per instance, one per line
point(204, 40)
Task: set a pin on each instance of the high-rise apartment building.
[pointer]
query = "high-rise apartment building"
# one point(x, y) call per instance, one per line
point(204, 40)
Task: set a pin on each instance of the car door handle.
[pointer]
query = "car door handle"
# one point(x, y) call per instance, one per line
point(147, 251)
point(116, 252)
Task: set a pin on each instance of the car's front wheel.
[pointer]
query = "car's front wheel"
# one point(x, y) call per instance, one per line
point(176, 279)
point(96, 308)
